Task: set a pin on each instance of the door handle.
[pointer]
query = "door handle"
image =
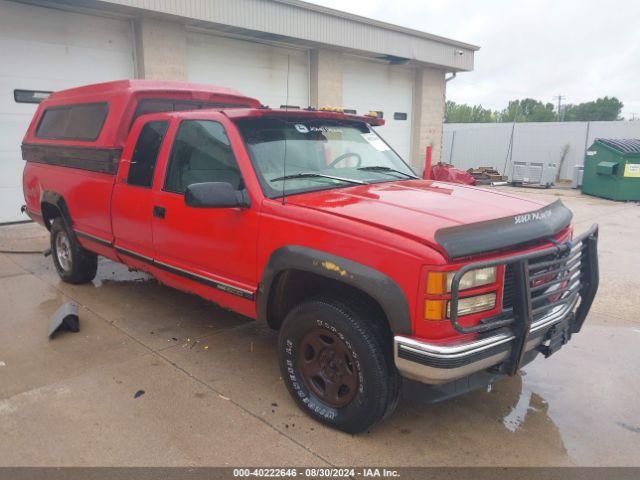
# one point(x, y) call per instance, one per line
point(159, 211)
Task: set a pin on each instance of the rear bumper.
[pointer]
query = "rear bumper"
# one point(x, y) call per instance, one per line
point(436, 363)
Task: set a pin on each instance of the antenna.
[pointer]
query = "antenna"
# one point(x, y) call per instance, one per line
point(286, 107)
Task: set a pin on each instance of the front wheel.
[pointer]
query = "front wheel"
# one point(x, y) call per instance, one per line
point(336, 360)
point(73, 263)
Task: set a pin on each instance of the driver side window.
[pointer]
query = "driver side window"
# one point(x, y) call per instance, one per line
point(201, 153)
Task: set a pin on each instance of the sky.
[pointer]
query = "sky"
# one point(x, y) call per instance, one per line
point(539, 49)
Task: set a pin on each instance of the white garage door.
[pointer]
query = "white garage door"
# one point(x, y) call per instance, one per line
point(372, 86)
point(46, 50)
point(257, 70)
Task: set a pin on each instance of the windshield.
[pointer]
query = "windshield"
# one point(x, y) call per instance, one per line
point(320, 154)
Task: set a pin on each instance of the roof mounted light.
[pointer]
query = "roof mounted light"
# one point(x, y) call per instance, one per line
point(332, 109)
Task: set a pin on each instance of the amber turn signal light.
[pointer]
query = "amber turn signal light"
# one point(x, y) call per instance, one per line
point(436, 283)
point(434, 310)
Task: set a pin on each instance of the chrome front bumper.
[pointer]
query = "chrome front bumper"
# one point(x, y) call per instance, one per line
point(436, 363)
point(553, 289)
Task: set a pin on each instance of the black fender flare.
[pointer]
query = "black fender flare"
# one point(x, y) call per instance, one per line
point(55, 199)
point(374, 283)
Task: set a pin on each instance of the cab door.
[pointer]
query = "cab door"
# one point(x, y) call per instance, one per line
point(205, 247)
point(132, 200)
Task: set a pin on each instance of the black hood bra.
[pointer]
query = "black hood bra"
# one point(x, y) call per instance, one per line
point(491, 235)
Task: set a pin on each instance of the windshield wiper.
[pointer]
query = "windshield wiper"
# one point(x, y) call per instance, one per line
point(381, 168)
point(317, 175)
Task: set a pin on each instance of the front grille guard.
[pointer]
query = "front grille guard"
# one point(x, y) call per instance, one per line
point(573, 268)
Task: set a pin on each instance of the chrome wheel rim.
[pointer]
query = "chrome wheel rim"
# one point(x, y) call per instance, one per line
point(63, 251)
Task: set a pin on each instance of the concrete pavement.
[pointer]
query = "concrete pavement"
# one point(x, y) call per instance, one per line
point(213, 394)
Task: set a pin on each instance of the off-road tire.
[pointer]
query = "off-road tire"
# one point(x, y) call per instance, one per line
point(368, 343)
point(76, 265)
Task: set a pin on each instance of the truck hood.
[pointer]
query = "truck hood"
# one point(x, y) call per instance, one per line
point(417, 209)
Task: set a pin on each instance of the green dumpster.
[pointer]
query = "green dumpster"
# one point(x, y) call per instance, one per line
point(612, 169)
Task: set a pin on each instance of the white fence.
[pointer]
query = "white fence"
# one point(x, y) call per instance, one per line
point(469, 145)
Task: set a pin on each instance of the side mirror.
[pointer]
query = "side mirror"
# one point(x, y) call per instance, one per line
point(215, 195)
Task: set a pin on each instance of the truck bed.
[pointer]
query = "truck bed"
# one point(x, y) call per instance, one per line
point(87, 195)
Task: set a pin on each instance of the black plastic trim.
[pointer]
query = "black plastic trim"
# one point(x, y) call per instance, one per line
point(53, 198)
point(100, 160)
point(374, 283)
point(438, 362)
point(92, 238)
point(482, 237)
point(223, 287)
point(135, 255)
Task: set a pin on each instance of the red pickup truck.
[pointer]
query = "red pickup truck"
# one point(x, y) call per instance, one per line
point(306, 219)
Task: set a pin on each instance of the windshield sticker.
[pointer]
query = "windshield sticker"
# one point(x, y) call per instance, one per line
point(375, 141)
point(324, 129)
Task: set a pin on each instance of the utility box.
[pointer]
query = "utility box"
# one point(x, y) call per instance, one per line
point(612, 169)
point(533, 173)
point(578, 173)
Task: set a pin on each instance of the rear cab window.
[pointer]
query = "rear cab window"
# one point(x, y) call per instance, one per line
point(145, 154)
point(82, 122)
point(157, 105)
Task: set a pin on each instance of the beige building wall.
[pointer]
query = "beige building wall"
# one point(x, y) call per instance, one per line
point(325, 78)
point(161, 50)
point(428, 115)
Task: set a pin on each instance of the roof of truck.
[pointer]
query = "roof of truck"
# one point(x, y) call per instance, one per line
point(128, 87)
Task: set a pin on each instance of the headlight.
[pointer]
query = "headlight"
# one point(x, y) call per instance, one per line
point(469, 305)
point(437, 306)
point(473, 278)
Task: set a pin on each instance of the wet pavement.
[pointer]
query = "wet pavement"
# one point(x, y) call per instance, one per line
point(213, 393)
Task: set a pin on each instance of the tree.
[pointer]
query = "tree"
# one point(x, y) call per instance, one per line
point(531, 110)
point(607, 108)
point(462, 113)
point(528, 110)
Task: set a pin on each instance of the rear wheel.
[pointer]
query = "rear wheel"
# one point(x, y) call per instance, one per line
point(337, 363)
point(73, 263)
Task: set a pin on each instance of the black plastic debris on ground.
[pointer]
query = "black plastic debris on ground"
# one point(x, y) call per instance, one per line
point(65, 318)
point(138, 394)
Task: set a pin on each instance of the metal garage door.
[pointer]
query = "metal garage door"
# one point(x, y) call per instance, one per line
point(43, 50)
point(369, 85)
point(257, 70)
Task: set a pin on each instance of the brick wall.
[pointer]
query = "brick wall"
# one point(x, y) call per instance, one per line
point(161, 50)
point(428, 115)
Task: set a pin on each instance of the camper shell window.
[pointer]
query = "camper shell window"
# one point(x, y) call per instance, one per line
point(73, 122)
